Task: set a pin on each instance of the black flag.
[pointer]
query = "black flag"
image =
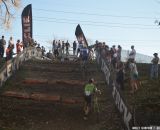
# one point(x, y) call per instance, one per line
point(27, 22)
point(80, 36)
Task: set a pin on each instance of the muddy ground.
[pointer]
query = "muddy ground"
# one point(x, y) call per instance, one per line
point(27, 114)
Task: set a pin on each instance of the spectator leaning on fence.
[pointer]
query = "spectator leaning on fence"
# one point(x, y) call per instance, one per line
point(154, 67)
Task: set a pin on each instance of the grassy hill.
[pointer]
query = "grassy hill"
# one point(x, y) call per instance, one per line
point(145, 103)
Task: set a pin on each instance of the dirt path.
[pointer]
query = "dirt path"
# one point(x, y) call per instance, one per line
point(27, 114)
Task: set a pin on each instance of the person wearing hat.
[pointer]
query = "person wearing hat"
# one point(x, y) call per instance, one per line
point(154, 67)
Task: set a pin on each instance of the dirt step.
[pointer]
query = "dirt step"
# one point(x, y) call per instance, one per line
point(54, 69)
point(50, 69)
point(43, 97)
point(53, 82)
point(53, 75)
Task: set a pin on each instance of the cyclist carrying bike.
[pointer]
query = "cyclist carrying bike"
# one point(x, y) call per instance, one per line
point(89, 91)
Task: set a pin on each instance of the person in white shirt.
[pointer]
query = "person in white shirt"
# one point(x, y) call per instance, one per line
point(132, 54)
point(11, 42)
point(134, 81)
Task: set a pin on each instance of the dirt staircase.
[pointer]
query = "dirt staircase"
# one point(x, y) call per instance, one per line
point(46, 95)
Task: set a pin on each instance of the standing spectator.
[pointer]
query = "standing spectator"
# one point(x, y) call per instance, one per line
point(74, 47)
point(11, 42)
point(67, 47)
point(119, 50)
point(120, 75)
point(113, 56)
point(59, 48)
point(43, 50)
point(80, 46)
point(11, 46)
point(2, 46)
point(38, 47)
point(132, 54)
point(114, 49)
point(133, 76)
point(154, 67)
point(103, 50)
point(19, 46)
point(63, 45)
point(90, 54)
point(53, 45)
point(56, 49)
point(27, 41)
point(9, 53)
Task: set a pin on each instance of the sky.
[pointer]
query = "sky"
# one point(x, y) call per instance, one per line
point(116, 22)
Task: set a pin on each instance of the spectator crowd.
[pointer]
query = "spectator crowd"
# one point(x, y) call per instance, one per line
point(128, 70)
point(112, 56)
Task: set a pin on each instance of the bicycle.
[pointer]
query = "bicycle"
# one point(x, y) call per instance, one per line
point(96, 106)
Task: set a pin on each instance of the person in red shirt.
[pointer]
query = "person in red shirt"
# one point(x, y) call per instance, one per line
point(18, 46)
point(8, 53)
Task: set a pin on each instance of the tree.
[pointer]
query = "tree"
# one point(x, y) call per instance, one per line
point(6, 11)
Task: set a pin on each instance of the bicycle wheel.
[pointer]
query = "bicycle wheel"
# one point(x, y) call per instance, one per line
point(96, 108)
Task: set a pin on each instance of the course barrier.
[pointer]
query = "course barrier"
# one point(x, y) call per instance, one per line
point(12, 65)
point(120, 103)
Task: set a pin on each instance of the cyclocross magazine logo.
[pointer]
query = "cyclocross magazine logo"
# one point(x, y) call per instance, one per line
point(121, 107)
